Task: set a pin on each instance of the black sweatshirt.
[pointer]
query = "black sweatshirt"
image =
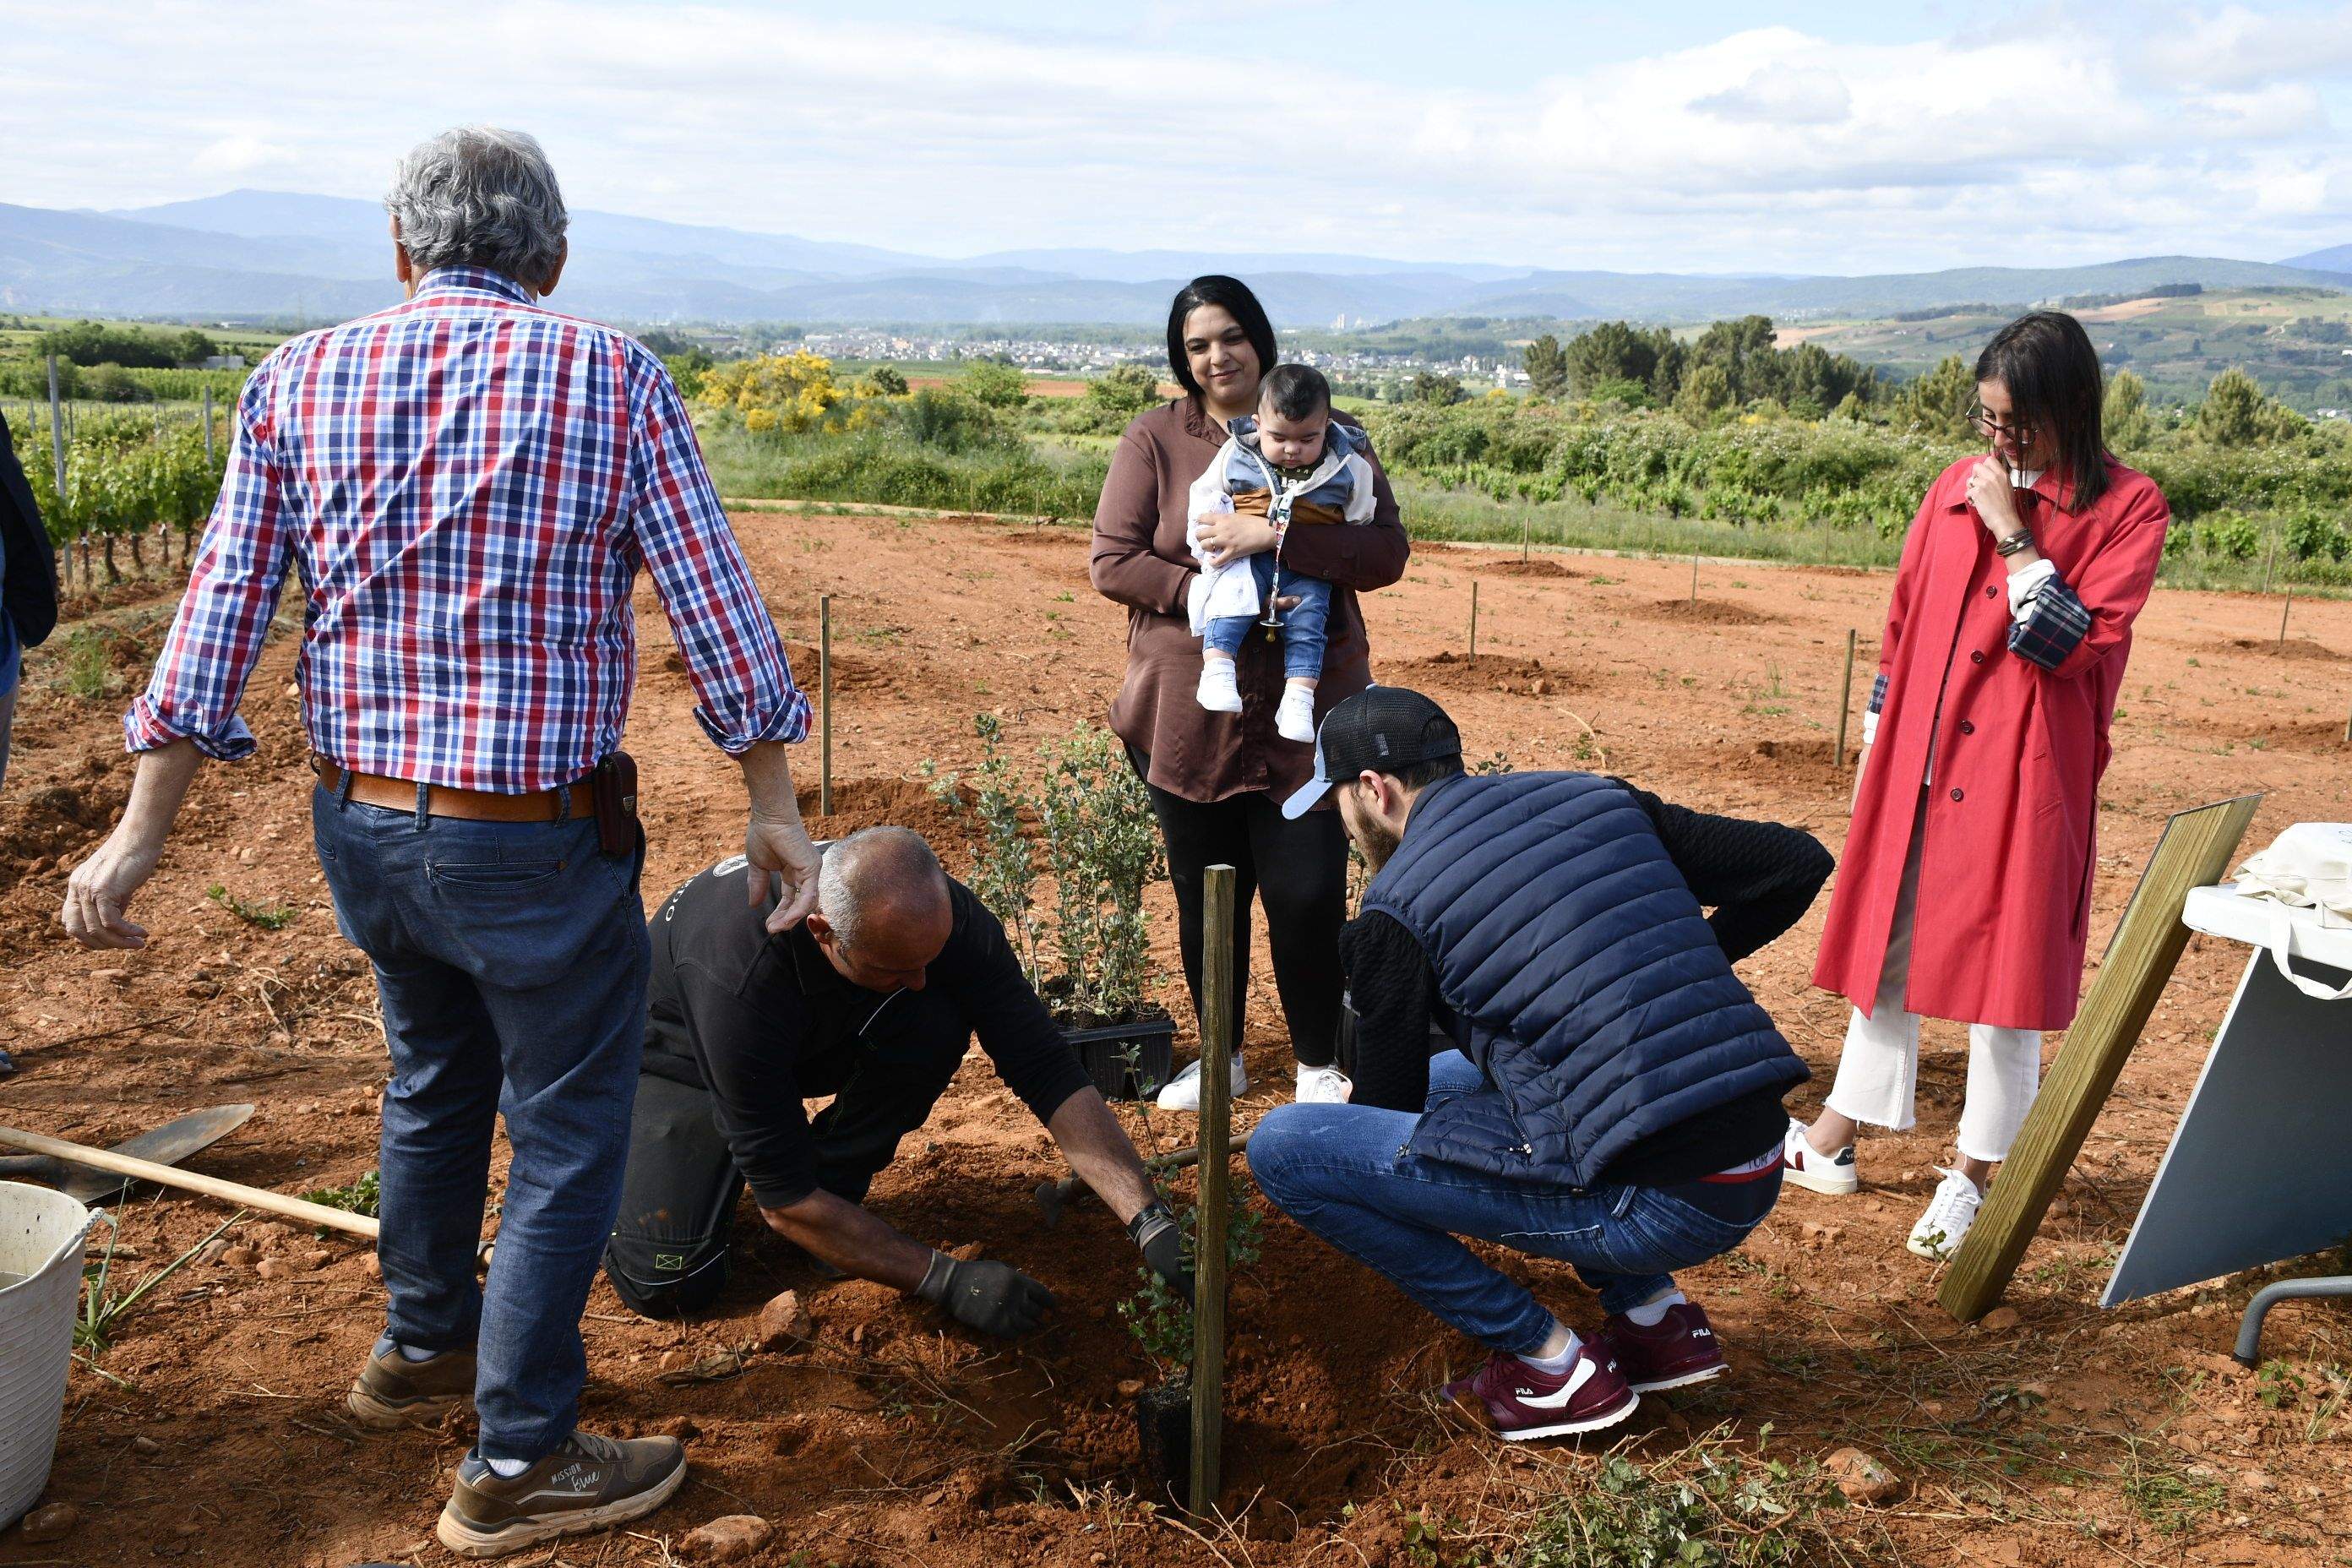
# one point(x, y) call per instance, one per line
point(735, 1010)
point(1760, 877)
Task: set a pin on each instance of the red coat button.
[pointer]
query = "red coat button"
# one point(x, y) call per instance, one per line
point(1967, 728)
point(1990, 590)
point(1956, 795)
point(1977, 657)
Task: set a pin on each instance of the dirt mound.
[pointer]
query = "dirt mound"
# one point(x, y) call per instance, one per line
point(1712, 612)
point(1488, 672)
point(2294, 648)
point(852, 671)
point(1524, 568)
point(889, 803)
point(1804, 764)
point(1059, 539)
point(56, 824)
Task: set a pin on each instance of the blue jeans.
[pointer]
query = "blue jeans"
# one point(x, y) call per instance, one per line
point(1340, 1172)
point(1303, 625)
point(511, 958)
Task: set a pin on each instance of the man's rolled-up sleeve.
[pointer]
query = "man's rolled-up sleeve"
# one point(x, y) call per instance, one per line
point(200, 677)
point(744, 687)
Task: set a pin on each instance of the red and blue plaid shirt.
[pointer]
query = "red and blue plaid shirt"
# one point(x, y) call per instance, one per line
point(467, 485)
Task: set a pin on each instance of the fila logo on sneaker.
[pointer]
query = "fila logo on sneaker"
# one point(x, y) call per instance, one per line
point(1558, 1398)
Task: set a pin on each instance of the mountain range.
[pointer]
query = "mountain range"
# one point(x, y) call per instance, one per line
point(279, 256)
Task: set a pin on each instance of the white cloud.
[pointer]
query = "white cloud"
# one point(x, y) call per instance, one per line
point(1766, 149)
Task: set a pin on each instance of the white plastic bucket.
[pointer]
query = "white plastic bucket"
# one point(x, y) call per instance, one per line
point(41, 1239)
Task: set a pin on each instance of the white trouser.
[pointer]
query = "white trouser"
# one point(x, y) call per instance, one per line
point(1878, 1074)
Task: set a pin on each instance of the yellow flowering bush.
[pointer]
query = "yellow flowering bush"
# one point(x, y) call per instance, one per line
point(773, 392)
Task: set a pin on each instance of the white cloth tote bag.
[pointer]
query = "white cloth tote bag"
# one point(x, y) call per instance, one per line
point(2309, 867)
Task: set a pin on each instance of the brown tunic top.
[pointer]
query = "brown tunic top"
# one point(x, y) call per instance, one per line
point(1141, 559)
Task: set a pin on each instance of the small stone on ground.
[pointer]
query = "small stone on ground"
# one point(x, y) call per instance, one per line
point(730, 1538)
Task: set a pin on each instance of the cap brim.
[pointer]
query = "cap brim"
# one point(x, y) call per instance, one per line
point(1302, 799)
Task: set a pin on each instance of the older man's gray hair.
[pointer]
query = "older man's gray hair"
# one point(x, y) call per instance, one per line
point(480, 197)
point(887, 874)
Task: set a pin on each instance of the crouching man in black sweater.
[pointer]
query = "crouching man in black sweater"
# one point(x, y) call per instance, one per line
point(1607, 1092)
point(872, 1001)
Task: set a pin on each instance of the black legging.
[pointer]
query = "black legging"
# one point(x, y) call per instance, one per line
point(1299, 869)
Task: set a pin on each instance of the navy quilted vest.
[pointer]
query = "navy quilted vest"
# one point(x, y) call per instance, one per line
point(1590, 989)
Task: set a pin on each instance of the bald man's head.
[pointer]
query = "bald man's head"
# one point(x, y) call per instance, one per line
point(883, 911)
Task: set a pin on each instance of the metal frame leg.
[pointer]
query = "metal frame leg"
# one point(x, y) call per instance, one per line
point(2250, 1330)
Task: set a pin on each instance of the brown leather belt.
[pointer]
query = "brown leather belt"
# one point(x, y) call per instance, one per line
point(468, 804)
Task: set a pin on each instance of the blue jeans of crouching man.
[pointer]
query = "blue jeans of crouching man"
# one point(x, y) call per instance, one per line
point(511, 960)
point(1340, 1172)
point(1305, 625)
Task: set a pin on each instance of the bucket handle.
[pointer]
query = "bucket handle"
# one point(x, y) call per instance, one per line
point(71, 1244)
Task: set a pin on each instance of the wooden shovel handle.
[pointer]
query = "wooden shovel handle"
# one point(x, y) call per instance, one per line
point(189, 1180)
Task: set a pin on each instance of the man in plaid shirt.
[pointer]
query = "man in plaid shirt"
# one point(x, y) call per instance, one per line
point(467, 485)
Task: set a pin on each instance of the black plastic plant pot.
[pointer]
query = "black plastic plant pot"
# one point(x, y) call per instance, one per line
point(1104, 1051)
point(1163, 1419)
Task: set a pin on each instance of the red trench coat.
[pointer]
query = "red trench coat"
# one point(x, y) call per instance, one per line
point(2010, 847)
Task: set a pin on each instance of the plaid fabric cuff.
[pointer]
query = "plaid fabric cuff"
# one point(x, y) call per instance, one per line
point(2056, 626)
point(1878, 693)
point(144, 729)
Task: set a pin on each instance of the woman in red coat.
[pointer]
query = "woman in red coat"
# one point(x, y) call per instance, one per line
point(1981, 756)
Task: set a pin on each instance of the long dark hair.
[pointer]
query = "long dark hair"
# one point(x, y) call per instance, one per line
point(2045, 360)
point(1216, 289)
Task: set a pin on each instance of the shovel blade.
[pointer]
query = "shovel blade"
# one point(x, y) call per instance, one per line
point(165, 1145)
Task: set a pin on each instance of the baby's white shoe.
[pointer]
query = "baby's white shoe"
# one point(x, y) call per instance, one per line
point(1295, 720)
point(1219, 694)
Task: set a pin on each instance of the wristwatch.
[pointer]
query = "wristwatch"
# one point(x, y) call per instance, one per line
point(2021, 539)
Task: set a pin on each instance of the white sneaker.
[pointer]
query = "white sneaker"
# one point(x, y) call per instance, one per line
point(1218, 693)
point(1182, 1093)
point(1324, 1086)
point(1815, 1171)
point(1295, 720)
point(1949, 1213)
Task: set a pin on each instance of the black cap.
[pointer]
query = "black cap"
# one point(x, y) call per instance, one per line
point(1382, 730)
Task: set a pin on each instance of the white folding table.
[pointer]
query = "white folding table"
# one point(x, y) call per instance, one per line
point(2260, 1166)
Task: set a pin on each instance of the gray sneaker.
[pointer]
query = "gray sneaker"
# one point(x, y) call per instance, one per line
point(589, 1483)
point(393, 1391)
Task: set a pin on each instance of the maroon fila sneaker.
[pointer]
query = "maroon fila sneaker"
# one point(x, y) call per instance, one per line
point(1519, 1402)
point(1680, 1351)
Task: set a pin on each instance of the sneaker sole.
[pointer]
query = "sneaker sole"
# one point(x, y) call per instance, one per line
point(1569, 1429)
point(1828, 1185)
point(464, 1540)
point(378, 1414)
point(1704, 1374)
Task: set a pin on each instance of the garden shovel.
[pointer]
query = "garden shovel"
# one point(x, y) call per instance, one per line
point(165, 1145)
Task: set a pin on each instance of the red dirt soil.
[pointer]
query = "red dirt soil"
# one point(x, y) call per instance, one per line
point(216, 1433)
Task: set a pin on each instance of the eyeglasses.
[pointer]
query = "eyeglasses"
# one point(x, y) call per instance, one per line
point(1979, 416)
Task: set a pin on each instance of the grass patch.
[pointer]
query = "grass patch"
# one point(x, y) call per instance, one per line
point(102, 1310)
point(361, 1196)
point(1707, 1506)
point(2163, 1493)
point(270, 917)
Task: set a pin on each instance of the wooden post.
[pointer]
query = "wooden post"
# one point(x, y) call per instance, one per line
point(1219, 1021)
point(208, 423)
point(1845, 697)
point(1694, 580)
point(56, 431)
point(2285, 610)
point(825, 703)
point(2269, 560)
point(1525, 528)
point(1474, 620)
point(2195, 851)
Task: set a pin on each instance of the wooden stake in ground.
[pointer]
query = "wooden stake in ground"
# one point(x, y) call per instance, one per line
point(2285, 610)
point(1218, 1021)
point(825, 703)
point(1693, 580)
point(58, 454)
point(2269, 560)
point(2194, 852)
point(1474, 620)
point(208, 425)
point(260, 1198)
point(1524, 526)
point(1845, 697)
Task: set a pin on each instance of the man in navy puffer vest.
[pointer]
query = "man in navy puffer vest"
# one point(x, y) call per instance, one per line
point(1607, 1092)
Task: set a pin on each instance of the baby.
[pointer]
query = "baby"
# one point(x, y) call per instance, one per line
point(1292, 465)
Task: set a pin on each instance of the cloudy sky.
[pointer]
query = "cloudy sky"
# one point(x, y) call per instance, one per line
point(1708, 137)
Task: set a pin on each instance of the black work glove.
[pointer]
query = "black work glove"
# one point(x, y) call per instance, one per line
point(1161, 1241)
point(994, 1298)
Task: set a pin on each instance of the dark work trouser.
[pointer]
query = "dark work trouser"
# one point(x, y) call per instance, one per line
point(1298, 869)
point(667, 1254)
